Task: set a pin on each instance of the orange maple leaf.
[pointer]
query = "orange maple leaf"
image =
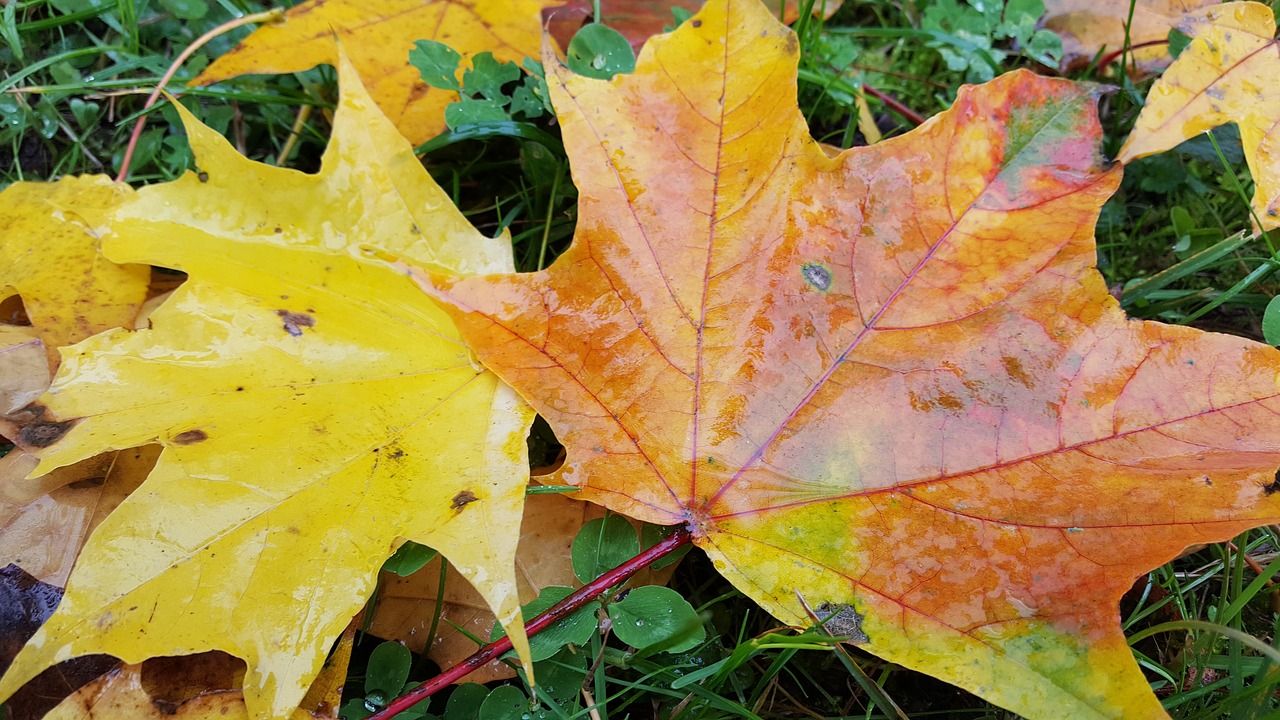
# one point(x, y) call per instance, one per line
point(890, 381)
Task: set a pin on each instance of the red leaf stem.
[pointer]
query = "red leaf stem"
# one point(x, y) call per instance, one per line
point(1115, 55)
point(894, 104)
point(555, 613)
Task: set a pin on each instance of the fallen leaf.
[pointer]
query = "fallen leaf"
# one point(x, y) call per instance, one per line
point(50, 256)
point(378, 35)
point(890, 381)
point(639, 20)
point(406, 606)
point(45, 521)
point(1227, 74)
point(313, 404)
point(1089, 27)
point(24, 369)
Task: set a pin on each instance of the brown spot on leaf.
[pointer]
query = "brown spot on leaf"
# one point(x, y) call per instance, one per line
point(190, 436)
point(1013, 368)
point(950, 402)
point(294, 321)
point(202, 176)
point(42, 434)
point(462, 499)
point(696, 23)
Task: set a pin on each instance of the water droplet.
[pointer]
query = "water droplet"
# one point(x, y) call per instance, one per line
point(639, 623)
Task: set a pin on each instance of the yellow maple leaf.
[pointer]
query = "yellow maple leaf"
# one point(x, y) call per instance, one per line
point(314, 406)
point(1227, 74)
point(378, 35)
point(49, 238)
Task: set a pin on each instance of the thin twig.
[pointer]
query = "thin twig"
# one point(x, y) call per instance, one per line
point(267, 16)
point(894, 104)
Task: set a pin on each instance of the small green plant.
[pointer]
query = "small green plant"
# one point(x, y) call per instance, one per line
point(599, 51)
point(491, 91)
point(385, 678)
point(973, 36)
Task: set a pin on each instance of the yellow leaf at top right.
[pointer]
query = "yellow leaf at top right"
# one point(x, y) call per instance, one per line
point(1227, 74)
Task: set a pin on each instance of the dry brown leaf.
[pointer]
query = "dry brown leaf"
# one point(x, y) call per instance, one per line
point(45, 521)
point(24, 369)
